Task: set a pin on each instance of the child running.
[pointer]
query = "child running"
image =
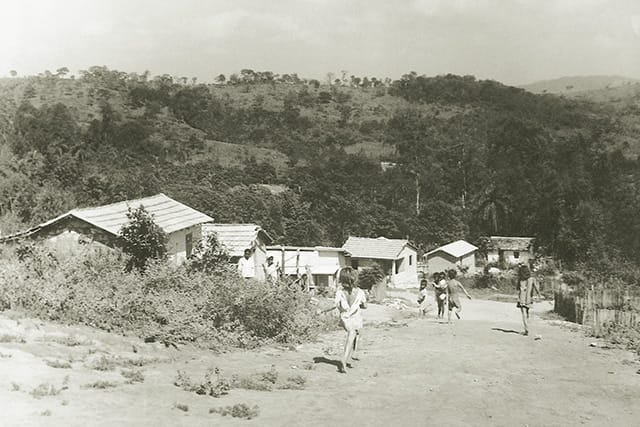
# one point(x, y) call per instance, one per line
point(349, 301)
point(440, 290)
point(453, 287)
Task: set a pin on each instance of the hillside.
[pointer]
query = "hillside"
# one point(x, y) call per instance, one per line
point(486, 158)
point(576, 85)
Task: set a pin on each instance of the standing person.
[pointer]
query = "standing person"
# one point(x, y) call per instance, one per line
point(271, 271)
point(440, 291)
point(422, 297)
point(453, 295)
point(349, 301)
point(246, 266)
point(526, 286)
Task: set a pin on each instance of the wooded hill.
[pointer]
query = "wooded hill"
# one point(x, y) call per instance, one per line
point(302, 158)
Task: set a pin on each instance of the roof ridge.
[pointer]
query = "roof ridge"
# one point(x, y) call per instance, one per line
point(120, 202)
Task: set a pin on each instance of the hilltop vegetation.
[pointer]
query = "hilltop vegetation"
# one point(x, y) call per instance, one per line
point(484, 157)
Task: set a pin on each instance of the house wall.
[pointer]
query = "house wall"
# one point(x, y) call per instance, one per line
point(440, 261)
point(177, 243)
point(509, 258)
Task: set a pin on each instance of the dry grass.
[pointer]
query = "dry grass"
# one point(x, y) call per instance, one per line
point(239, 410)
point(294, 382)
point(59, 364)
point(101, 385)
point(103, 363)
point(7, 338)
point(69, 340)
point(132, 376)
point(43, 390)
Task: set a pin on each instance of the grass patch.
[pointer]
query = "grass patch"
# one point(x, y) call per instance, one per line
point(7, 338)
point(214, 384)
point(239, 410)
point(181, 406)
point(69, 340)
point(100, 385)
point(294, 382)
point(59, 364)
point(103, 363)
point(43, 390)
point(132, 376)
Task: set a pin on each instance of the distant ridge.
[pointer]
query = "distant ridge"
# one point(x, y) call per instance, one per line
point(577, 84)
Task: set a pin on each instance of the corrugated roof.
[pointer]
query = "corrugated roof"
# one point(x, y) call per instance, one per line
point(236, 237)
point(456, 249)
point(511, 243)
point(378, 248)
point(168, 214)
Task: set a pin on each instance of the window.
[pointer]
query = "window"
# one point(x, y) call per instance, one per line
point(410, 259)
point(354, 264)
point(516, 254)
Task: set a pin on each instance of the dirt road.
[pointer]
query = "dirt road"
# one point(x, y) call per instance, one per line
point(414, 372)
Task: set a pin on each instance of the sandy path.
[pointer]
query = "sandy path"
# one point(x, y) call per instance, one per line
point(475, 372)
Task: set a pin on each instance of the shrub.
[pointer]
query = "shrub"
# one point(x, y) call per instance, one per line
point(209, 256)
point(239, 410)
point(369, 277)
point(100, 385)
point(132, 376)
point(166, 304)
point(142, 239)
point(44, 390)
point(211, 386)
point(58, 364)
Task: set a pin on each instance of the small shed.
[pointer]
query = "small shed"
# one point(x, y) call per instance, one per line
point(510, 250)
point(397, 257)
point(459, 255)
point(99, 227)
point(238, 237)
point(319, 262)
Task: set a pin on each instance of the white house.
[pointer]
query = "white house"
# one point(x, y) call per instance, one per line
point(99, 227)
point(459, 255)
point(397, 257)
point(320, 263)
point(510, 250)
point(238, 237)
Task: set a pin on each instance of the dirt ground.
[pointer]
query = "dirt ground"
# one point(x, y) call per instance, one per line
point(413, 371)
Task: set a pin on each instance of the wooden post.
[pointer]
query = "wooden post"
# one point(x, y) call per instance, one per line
point(282, 272)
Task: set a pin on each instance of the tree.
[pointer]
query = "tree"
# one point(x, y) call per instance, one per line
point(209, 256)
point(142, 239)
point(61, 72)
point(220, 79)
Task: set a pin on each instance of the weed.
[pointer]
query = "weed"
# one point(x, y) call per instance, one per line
point(239, 410)
point(46, 413)
point(271, 375)
point(132, 376)
point(44, 389)
point(294, 382)
point(100, 385)
point(104, 363)
point(15, 386)
point(211, 386)
point(59, 364)
point(69, 340)
point(6, 338)
point(5, 356)
point(181, 406)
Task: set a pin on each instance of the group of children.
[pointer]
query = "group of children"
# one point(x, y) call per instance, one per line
point(447, 294)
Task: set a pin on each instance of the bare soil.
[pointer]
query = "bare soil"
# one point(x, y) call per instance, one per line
point(478, 371)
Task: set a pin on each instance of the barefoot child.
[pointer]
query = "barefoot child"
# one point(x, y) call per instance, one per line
point(422, 297)
point(440, 290)
point(349, 301)
point(453, 294)
point(526, 286)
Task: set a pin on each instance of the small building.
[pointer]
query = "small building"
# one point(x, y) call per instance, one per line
point(398, 258)
point(238, 237)
point(99, 227)
point(459, 255)
point(510, 250)
point(319, 263)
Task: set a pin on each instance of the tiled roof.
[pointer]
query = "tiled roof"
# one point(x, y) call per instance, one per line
point(378, 248)
point(511, 243)
point(236, 237)
point(168, 214)
point(456, 249)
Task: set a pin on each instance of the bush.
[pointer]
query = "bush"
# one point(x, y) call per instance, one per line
point(369, 277)
point(142, 239)
point(166, 304)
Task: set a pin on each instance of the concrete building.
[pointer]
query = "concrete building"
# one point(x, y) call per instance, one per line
point(459, 255)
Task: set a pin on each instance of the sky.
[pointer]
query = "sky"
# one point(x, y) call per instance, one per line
point(512, 41)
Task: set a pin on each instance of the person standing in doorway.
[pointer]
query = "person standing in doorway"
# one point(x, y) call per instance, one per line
point(526, 286)
point(246, 265)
